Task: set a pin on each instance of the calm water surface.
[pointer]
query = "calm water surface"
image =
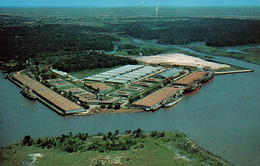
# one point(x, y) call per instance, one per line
point(223, 117)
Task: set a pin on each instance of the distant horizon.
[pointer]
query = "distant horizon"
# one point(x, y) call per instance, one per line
point(128, 6)
point(129, 3)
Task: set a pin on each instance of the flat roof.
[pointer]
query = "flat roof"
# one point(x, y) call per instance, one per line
point(63, 84)
point(99, 86)
point(117, 81)
point(129, 75)
point(170, 73)
point(108, 74)
point(124, 78)
point(133, 88)
point(151, 80)
point(94, 78)
point(157, 96)
point(190, 78)
point(55, 80)
point(87, 95)
point(52, 97)
point(102, 76)
point(74, 90)
point(146, 84)
point(58, 100)
point(122, 93)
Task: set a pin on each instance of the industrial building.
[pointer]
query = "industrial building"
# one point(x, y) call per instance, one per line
point(125, 74)
point(74, 91)
point(99, 87)
point(157, 99)
point(169, 73)
point(192, 77)
point(60, 103)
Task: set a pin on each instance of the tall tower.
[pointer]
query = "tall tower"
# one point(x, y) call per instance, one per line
point(141, 58)
point(157, 8)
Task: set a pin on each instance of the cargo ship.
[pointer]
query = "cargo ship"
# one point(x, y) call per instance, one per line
point(192, 88)
point(27, 92)
point(173, 102)
point(209, 76)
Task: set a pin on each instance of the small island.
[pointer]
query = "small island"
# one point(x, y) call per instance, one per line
point(130, 148)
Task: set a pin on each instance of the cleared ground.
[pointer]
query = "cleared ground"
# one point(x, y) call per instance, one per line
point(181, 60)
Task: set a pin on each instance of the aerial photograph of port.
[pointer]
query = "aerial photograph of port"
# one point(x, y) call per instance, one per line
point(130, 82)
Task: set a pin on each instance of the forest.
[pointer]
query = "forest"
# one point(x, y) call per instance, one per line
point(67, 47)
point(75, 42)
point(215, 31)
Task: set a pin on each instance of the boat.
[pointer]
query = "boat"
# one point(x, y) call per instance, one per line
point(172, 103)
point(193, 91)
point(27, 92)
point(192, 88)
point(207, 77)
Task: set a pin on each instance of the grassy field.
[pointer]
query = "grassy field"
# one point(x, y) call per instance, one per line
point(156, 149)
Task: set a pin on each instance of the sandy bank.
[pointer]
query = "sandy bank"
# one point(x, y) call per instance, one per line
point(182, 60)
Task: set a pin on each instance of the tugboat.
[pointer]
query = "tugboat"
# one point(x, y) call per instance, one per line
point(27, 92)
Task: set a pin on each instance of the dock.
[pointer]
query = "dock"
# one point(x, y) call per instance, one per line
point(190, 78)
point(52, 99)
point(158, 98)
point(233, 72)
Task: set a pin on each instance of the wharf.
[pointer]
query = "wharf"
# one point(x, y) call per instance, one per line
point(232, 72)
point(190, 78)
point(52, 99)
point(158, 98)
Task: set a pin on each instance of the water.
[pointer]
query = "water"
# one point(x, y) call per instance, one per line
point(223, 117)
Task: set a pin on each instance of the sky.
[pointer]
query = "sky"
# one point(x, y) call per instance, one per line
point(116, 3)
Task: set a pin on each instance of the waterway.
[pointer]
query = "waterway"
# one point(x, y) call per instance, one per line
point(223, 117)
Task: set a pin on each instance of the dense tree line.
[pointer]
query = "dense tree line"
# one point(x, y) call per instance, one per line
point(23, 42)
point(215, 31)
point(86, 60)
point(82, 142)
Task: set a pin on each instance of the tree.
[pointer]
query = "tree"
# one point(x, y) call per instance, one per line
point(110, 106)
point(26, 140)
point(117, 106)
point(153, 134)
point(128, 131)
point(117, 132)
point(110, 135)
point(104, 137)
point(103, 106)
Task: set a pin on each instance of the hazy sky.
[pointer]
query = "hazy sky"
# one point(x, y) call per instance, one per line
point(109, 3)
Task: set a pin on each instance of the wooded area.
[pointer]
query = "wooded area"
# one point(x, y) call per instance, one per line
point(215, 31)
point(78, 43)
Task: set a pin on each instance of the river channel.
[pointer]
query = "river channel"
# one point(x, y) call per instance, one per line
point(223, 117)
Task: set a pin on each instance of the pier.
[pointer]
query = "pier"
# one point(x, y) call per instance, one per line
point(158, 98)
point(233, 72)
point(50, 98)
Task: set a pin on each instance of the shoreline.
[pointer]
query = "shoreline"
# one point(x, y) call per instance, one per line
point(109, 111)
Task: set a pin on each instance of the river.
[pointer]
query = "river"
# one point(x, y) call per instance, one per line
point(223, 117)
